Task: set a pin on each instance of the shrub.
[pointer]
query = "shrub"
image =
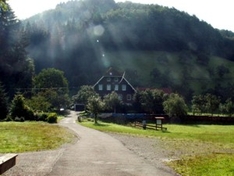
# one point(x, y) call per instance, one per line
point(52, 118)
point(41, 116)
point(19, 109)
point(19, 119)
point(8, 118)
point(29, 114)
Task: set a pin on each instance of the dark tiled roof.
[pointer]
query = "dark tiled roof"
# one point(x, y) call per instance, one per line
point(112, 72)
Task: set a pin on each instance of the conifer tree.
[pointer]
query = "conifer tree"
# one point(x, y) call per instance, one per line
point(3, 103)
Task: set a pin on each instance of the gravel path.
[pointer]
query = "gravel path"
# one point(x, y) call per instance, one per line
point(129, 156)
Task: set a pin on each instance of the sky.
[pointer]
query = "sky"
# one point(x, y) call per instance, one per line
point(217, 13)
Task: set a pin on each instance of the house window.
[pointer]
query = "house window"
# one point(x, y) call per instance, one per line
point(108, 87)
point(120, 96)
point(124, 87)
point(100, 87)
point(108, 79)
point(116, 79)
point(129, 97)
point(116, 87)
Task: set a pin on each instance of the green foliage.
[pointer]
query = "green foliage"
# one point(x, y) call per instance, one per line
point(3, 103)
point(84, 94)
point(111, 101)
point(151, 100)
point(15, 67)
point(175, 106)
point(39, 103)
point(52, 118)
point(95, 105)
point(19, 109)
point(18, 106)
point(42, 116)
point(227, 107)
point(51, 78)
point(207, 103)
point(53, 86)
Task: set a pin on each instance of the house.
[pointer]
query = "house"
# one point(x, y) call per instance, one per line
point(111, 81)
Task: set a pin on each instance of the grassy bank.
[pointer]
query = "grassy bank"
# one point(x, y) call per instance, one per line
point(200, 149)
point(31, 136)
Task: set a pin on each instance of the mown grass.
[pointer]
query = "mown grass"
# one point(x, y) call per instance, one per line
point(201, 149)
point(207, 165)
point(16, 137)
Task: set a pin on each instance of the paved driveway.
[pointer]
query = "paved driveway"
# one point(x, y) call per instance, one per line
point(99, 154)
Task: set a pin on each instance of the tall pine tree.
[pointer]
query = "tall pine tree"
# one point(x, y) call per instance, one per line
point(16, 69)
point(3, 103)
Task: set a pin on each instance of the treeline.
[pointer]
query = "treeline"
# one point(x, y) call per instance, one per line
point(154, 101)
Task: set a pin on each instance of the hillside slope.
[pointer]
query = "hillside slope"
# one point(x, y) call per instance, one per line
point(160, 46)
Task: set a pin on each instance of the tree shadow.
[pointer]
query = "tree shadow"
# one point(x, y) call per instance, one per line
point(101, 124)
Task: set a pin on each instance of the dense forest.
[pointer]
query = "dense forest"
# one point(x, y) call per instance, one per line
point(156, 46)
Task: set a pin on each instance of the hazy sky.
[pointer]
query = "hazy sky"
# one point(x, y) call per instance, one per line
point(218, 13)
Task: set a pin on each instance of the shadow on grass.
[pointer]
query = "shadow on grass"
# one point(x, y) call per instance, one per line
point(101, 124)
point(165, 131)
point(194, 125)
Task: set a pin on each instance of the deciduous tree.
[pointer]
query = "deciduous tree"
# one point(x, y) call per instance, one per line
point(175, 106)
point(52, 84)
point(112, 101)
point(95, 105)
point(84, 94)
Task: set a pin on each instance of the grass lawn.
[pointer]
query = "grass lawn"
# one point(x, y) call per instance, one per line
point(19, 137)
point(202, 149)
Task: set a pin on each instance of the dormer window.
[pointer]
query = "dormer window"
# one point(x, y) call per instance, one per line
point(116, 79)
point(108, 79)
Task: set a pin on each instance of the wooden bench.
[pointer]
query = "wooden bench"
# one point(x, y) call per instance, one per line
point(6, 162)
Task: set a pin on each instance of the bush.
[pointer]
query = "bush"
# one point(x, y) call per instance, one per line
point(19, 119)
point(8, 118)
point(29, 114)
point(52, 118)
point(19, 109)
point(41, 117)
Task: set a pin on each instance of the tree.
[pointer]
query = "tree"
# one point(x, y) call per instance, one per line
point(151, 100)
point(222, 70)
point(84, 94)
point(198, 104)
point(3, 103)
point(227, 107)
point(3, 5)
point(14, 64)
point(175, 106)
point(212, 103)
point(19, 109)
point(111, 101)
point(52, 84)
point(95, 105)
point(39, 103)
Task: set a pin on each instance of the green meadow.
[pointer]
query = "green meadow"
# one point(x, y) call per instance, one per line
point(19, 137)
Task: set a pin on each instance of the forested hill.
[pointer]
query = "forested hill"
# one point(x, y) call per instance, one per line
point(83, 38)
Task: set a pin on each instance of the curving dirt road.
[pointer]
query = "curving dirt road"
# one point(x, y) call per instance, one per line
point(99, 154)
